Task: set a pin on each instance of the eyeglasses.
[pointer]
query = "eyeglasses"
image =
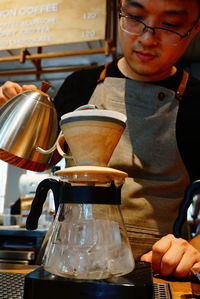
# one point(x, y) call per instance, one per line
point(134, 26)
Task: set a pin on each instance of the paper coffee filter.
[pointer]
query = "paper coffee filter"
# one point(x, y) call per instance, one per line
point(96, 112)
point(92, 135)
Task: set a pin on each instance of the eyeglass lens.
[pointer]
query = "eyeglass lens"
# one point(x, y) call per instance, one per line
point(135, 27)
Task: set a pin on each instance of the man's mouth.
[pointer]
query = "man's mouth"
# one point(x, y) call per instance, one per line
point(145, 56)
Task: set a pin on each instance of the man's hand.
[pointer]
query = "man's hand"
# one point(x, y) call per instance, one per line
point(10, 89)
point(172, 256)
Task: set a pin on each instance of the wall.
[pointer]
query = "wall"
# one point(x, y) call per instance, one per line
point(12, 186)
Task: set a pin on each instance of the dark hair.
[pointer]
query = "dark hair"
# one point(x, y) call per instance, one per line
point(198, 2)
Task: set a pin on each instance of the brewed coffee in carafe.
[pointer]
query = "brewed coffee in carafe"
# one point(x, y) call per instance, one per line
point(88, 238)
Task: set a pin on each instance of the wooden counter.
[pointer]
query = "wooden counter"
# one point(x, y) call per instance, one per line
point(180, 290)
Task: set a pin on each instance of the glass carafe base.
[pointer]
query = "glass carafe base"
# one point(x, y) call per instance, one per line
point(96, 251)
point(93, 268)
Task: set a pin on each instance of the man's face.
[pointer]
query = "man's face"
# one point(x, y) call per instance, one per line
point(146, 55)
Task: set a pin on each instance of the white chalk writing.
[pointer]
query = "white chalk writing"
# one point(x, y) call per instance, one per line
point(29, 10)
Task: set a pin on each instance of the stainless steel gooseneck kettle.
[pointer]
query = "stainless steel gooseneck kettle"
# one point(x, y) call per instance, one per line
point(29, 121)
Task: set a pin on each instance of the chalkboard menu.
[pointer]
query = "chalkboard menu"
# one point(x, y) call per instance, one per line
point(47, 22)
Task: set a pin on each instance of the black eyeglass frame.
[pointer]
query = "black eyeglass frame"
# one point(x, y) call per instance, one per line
point(165, 29)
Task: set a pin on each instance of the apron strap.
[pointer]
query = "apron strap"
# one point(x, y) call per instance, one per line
point(179, 92)
point(182, 86)
point(103, 72)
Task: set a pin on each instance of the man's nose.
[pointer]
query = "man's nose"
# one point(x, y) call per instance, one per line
point(148, 37)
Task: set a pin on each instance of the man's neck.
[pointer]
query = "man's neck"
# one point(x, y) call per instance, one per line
point(129, 73)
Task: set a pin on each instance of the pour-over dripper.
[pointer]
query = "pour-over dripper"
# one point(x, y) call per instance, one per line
point(92, 135)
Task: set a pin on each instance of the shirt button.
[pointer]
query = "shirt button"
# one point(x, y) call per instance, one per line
point(161, 96)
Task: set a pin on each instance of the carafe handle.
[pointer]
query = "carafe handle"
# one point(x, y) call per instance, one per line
point(39, 199)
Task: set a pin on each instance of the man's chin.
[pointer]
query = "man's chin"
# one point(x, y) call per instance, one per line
point(148, 73)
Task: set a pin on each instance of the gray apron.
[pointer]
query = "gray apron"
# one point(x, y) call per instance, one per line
point(148, 152)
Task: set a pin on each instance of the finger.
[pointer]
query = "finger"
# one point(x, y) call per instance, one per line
point(147, 257)
point(190, 260)
point(179, 259)
point(10, 89)
point(171, 259)
point(196, 268)
point(29, 87)
point(3, 97)
point(159, 249)
point(3, 100)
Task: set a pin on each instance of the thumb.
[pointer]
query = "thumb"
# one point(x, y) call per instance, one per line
point(147, 257)
point(196, 268)
point(29, 87)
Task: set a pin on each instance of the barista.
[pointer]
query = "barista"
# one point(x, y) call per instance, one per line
point(160, 103)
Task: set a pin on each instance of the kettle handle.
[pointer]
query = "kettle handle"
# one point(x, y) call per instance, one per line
point(39, 199)
point(190, 191)
point(50, 150)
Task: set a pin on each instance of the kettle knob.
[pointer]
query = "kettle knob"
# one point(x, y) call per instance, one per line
point(45, 86)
